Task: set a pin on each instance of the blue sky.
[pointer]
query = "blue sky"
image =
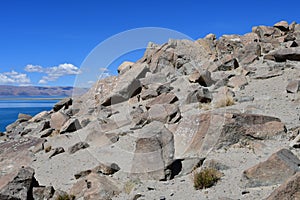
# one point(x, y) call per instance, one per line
point(45, 42)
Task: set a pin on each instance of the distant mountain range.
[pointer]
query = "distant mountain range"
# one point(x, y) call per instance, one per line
point(8, 90)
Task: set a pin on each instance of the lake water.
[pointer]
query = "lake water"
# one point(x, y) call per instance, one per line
point(10, 107)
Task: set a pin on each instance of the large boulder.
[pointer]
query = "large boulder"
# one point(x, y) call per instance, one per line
point(58, 119)
point(278, 168)
point(290, 189)
point(154, 151)
point(197, 134)
point(128, 85)
point(281, 55)
point(20, 187)
point(96, 186)
point(65, 103)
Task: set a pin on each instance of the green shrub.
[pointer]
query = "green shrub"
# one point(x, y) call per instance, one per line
point(206, 178)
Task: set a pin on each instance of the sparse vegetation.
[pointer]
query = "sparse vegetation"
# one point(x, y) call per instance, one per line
point(205, 106)
point(226, 101)
point(65, 197)
point(129, 185)
point(206, 178)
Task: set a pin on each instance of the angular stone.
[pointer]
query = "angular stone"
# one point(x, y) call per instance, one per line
point(24, 116)
point(124, 67)
point(96, 186)
point(293, 86)
point(164, 98)
point(282, 25)
point(154, 151)
point(78, 146)
point(21, 186)
point(237, 82)
point(128, 85)
point(278, 168)
point(281, 55)
point(201, 95)
point(58, 119)
point(66, 102)
point(106, 169)
point(203, 78)
point(229, 65)
point(165, 113)
point(57, 151)
point(290, 189)
point(46, 132)
point(39, 117)
point(70, 126)
point(148, 94)
point(42, 193)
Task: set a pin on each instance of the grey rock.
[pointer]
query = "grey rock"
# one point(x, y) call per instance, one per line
point(201, 95)
point(283, 164)
point(57, 151)
point(24, 116)
point(58, 119)
point(281, 55)
point(70, 126)
point(20, 187)
point(42, 193)
point(78, 146)
point(293, 86)
point(288, 190)
point(65, 103)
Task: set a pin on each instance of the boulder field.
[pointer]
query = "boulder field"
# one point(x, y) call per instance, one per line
point(232, 104)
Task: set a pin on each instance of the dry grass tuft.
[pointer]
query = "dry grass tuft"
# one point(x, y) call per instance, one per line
point(206, 178)
point(226, 101)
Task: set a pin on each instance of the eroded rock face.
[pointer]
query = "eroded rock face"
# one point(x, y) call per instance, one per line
point(278, 168)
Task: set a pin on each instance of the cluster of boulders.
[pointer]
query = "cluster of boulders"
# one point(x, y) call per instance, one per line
point(157, 120)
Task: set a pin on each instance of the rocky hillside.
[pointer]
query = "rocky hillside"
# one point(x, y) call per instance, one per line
point(230, 105)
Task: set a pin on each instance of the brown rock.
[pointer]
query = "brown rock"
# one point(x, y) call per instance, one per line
point(164, 98)
point(278, 168)
point(96, 186)
point(164, 113)
point(197, 134)
point(237, 82)
point(203, 78)
point(78, 146)
point(228, 65)
point(289, 190)
point(201, 95)
point(281, 55)
point(57, 151)
point(125, 66)
point(293, 86)
point(282, 25)
point(127, 86)
point(24, 116)
point(58, 119)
